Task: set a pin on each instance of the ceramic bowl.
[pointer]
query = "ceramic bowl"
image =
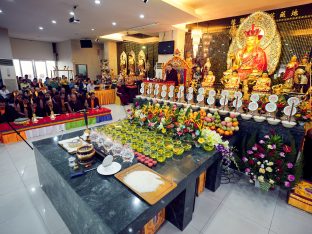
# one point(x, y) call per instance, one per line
point(259, 118)
point(235, 113)
point(273, 121)
point(246, 116)
point(223, 112)
point(195, 108)
point(288, 124)
point(213, 110)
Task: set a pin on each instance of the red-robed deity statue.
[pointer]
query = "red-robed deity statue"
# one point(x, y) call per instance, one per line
point(252, 57)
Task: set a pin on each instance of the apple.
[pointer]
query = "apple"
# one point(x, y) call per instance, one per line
point(229, 124)
point(223, 123)
point(232, 115)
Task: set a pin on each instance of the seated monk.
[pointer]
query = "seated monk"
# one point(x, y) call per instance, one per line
point(132, 89)
point(122, 92)
point(74, 104)
point(93, 101)
point(263, 83)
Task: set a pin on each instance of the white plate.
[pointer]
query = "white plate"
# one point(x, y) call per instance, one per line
point(171, 88)
point(110, 170)
point(287, 111)
point(253, 106)
point(223, 101)
point(200, 98)
point(163, 94)
point(225, 93)
point(142, 85)
point(170, 94)
point(270, 107)
point(142, 90)
point(239, 103)
point(189, 96)
point(293, 100)
point(190, 90)
point(212, 93)
point(164, 87)
point(201, 90)
point(273, 98)
point(181, 88)
point(156, 86)
point(238, 94)
point(210, 100)
point(254, 97)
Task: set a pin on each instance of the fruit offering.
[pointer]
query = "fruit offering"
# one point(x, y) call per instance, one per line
point(145, 160)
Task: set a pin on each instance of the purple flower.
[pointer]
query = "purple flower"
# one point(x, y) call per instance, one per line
point(291, 177)
point(261, 141)
point(247, 170)
point(282, 154)
point(267, 137)
point(244, 159)
point(249, 152)
point(273, 146)
point(254, 148)
point(287, 184)
point(261, 155)
point(290, 165)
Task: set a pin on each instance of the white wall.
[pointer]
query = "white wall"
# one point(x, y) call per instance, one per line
point(110, 53)
point(89, 56)
point(33, 50)
point(7, 72)
point(65, 54)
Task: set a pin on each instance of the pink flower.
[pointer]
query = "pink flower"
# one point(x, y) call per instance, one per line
point(291, 177)
point(247, 170)
point(290, 165)
point(267, 137)
point(261, 141)
point(282, 154)
point(244, 159)
point(249, 152)
point(254, 148)
point(261, 155)
point(273, 146)
point(287, 184)
point(286, 148)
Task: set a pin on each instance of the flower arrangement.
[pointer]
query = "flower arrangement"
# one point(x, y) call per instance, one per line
point(195, 127)
point(304, 113)
point(269, 162)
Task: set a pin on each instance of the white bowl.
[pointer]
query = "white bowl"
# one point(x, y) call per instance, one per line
point(223, 112)
point(213, 110)
point(273, 121)
point(288, 124)
point(235, 113)
point(246, 116)
point(259, 118)
point(204, 108)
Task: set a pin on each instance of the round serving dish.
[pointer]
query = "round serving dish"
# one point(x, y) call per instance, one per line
point(288, 124)
point(273, 121)
point(259, 119)
point(223, 112)
point(246, 116)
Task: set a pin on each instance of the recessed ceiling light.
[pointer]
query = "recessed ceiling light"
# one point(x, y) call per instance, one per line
point(40, 28)
point(72, 13)
point(97, 2)
point(92, 29)
point(53, 21)
point(1, 11)
point(142, 16)
point(114, 23)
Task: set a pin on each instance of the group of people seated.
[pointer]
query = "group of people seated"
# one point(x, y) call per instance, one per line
point(57, 95)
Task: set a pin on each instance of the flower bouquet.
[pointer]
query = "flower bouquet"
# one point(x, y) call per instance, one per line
point(269, 163)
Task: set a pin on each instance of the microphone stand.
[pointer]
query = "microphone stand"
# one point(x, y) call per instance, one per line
point(18, 134)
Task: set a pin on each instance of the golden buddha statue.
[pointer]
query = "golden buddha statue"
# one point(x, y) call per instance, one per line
point(289, 75)
point(141, 63)
point(263, 84)
point(209, 80)
point(189, 59)
point(131, 63)
point(301, 77)
point(231, 81)
point(207, 65)
point(123, 63)
point(252, 56)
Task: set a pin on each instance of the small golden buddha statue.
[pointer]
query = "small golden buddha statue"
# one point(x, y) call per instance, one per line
point(288, 77)
point(263, 83)
point(209, 80)
point(231, 81)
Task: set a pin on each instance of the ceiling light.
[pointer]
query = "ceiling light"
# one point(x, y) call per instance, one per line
point(97, 2)
point(142, 16)
point(53, 21)
point(114, 23)
point(92, 29)
point(40, 28)
point(1, 11)
point(72, 13)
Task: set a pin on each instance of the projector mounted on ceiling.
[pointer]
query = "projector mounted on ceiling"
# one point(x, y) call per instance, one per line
point(74, 19)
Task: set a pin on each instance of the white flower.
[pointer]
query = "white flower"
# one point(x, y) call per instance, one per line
point(271, 181)
point(270, 147)
point(262, 166)
point(270, 164)
point(269, 169)
point(261, 178)
point(258, 162)
point(251, 181)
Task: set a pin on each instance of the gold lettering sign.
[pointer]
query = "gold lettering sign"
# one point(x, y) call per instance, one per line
point(273, 15)
point(295, 13)
point(233, 21)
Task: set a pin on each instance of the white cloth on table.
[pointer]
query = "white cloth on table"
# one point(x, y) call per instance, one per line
point(45, 131)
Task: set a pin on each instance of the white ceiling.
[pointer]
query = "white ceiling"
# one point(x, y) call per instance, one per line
point(23, 17)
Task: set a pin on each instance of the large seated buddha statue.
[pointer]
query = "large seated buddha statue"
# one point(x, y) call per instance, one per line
point(251, 57)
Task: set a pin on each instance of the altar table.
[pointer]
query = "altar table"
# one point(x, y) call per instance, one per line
point(95, 204)
point(47, 126)
point(106, 96)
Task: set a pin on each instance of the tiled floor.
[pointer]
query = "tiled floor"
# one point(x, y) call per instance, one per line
point(234, 208)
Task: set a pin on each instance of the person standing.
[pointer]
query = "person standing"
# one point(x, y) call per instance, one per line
point(171, 75)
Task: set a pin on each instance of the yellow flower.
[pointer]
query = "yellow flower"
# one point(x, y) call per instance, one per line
point(262, 170)
point(201, 140)
point(271, 181)
point(163, 130)
point(269, 169)
point(261, 178)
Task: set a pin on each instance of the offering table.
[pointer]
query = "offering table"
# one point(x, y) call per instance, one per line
point(94, 203)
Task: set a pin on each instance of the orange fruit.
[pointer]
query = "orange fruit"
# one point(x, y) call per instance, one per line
point(227, 133)
point(235, 124)
point(221, 132)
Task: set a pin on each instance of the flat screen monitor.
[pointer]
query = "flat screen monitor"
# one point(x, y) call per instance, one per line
point(166, 47)
point(85, 43)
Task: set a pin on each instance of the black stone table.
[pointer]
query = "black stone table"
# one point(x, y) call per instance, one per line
point(94, 203)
